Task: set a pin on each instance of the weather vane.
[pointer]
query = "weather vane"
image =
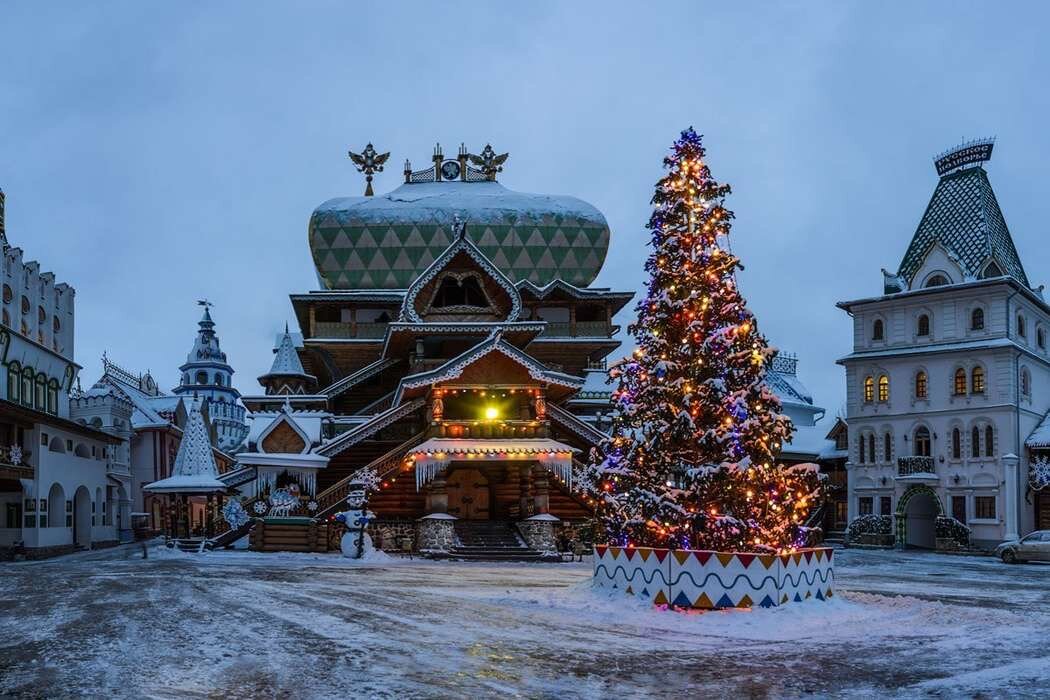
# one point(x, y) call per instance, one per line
point(204, 302)
point(489, 162)
point(369, 162)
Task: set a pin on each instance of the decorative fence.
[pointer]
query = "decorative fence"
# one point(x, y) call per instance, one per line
point(700, 579)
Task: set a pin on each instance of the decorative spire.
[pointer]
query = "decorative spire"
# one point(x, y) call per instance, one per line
point(3, 232)
point(194, 469)
point(206, 323)
point(369, 162)
point(286, 359)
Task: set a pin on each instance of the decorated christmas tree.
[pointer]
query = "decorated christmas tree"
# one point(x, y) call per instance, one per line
point(690, 462)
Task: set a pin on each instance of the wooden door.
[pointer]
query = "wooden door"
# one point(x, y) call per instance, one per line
point(1042, 511)
point(468, 494)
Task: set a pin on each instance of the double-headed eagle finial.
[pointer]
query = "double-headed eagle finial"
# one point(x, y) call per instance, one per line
point(489, 162)
point(369, 162)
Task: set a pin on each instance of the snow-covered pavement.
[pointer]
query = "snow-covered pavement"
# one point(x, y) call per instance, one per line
point(241, 624)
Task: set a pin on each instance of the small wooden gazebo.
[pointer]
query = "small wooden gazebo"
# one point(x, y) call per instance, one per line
point(194, 484)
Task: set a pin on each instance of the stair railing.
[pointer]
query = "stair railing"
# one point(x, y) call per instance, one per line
point(334, 495)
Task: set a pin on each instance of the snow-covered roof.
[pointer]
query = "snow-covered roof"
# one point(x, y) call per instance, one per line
point(454, 368)
point(810, 441)
point(484, 446)
point(387, 240)
point(195, 470)
point(286, 360)
point(1040, 437)
point(963, 217)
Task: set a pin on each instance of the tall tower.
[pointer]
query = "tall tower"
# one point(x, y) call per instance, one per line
point(208, 376)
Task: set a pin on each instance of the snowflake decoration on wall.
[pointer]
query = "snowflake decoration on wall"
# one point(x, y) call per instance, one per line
point(259, 507)
point(233, 512)
point(311, 506)
point(1039, 473)
point(15, 455)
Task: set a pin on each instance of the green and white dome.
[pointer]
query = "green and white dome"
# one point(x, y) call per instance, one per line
point(386, 241)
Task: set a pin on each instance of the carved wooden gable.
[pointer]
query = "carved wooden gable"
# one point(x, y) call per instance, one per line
point(283, 439)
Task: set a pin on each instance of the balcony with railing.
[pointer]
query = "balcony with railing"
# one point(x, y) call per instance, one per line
point(914, 465)
point(14, 463)
point(579, 329)
point(338, 329)
point(504, 429)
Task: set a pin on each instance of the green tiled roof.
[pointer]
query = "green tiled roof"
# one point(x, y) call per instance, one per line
point(385, 242)
point(964, 216)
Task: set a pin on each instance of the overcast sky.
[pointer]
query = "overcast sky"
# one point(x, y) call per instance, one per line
point(156, 154)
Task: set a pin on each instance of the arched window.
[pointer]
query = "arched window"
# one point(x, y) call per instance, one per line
point(202, 377)
point(459, 292)
point(921, 385)
point(40, 393)
point(992, 270)
point(977, 319)
point(989, 441)
point(27, 386)
point(869, 389)
point(1026, 382)
point(887, 446)
point(871, 446)
point(923, 326)
point(977, 380)
point(937, 281)
point(860, 449)
point(877, 330)
point(52, 397)
point(14, 374)
point(1040, 338)
point(8, 294)
point(922, 441)
point(884, 388)
point(975, 442)
point(956, 444)
point(218, 379)
point(1021, 331)
point(960, 382)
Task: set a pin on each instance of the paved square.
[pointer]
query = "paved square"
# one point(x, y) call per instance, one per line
point(240, 624)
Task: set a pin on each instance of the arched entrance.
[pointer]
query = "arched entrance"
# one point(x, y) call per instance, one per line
point(468, 494)
point(917, 513)
point(82, 518)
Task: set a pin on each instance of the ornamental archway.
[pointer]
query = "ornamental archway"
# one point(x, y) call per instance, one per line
point(917, 513)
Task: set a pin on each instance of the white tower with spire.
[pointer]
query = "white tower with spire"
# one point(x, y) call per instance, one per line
point(209, 376)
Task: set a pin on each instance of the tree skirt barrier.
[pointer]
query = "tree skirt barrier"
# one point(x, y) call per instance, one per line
point(709, 580)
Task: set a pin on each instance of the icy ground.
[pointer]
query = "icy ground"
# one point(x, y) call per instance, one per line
point(247, 625)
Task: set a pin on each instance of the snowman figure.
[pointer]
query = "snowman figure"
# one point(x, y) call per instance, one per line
point(356, 542)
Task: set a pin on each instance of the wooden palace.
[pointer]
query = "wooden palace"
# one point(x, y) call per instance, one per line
point(455, 353)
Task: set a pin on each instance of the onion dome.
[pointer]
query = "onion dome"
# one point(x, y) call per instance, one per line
point(387, 241)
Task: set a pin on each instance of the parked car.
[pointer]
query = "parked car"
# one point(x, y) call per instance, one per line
point(1035, 546)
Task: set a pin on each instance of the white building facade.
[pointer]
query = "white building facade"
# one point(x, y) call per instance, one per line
point(950, 375)
point(59, 479)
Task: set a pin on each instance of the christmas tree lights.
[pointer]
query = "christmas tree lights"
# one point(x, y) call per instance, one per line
point(691, 459)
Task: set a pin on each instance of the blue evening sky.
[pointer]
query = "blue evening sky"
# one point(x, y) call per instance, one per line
point(154, 154)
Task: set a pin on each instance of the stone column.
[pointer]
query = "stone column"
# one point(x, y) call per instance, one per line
point(437, 495)
point(541, 489)
point(1011, 479)
point(437, 534)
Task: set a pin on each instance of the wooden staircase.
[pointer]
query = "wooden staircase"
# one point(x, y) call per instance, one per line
point(333, 498)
